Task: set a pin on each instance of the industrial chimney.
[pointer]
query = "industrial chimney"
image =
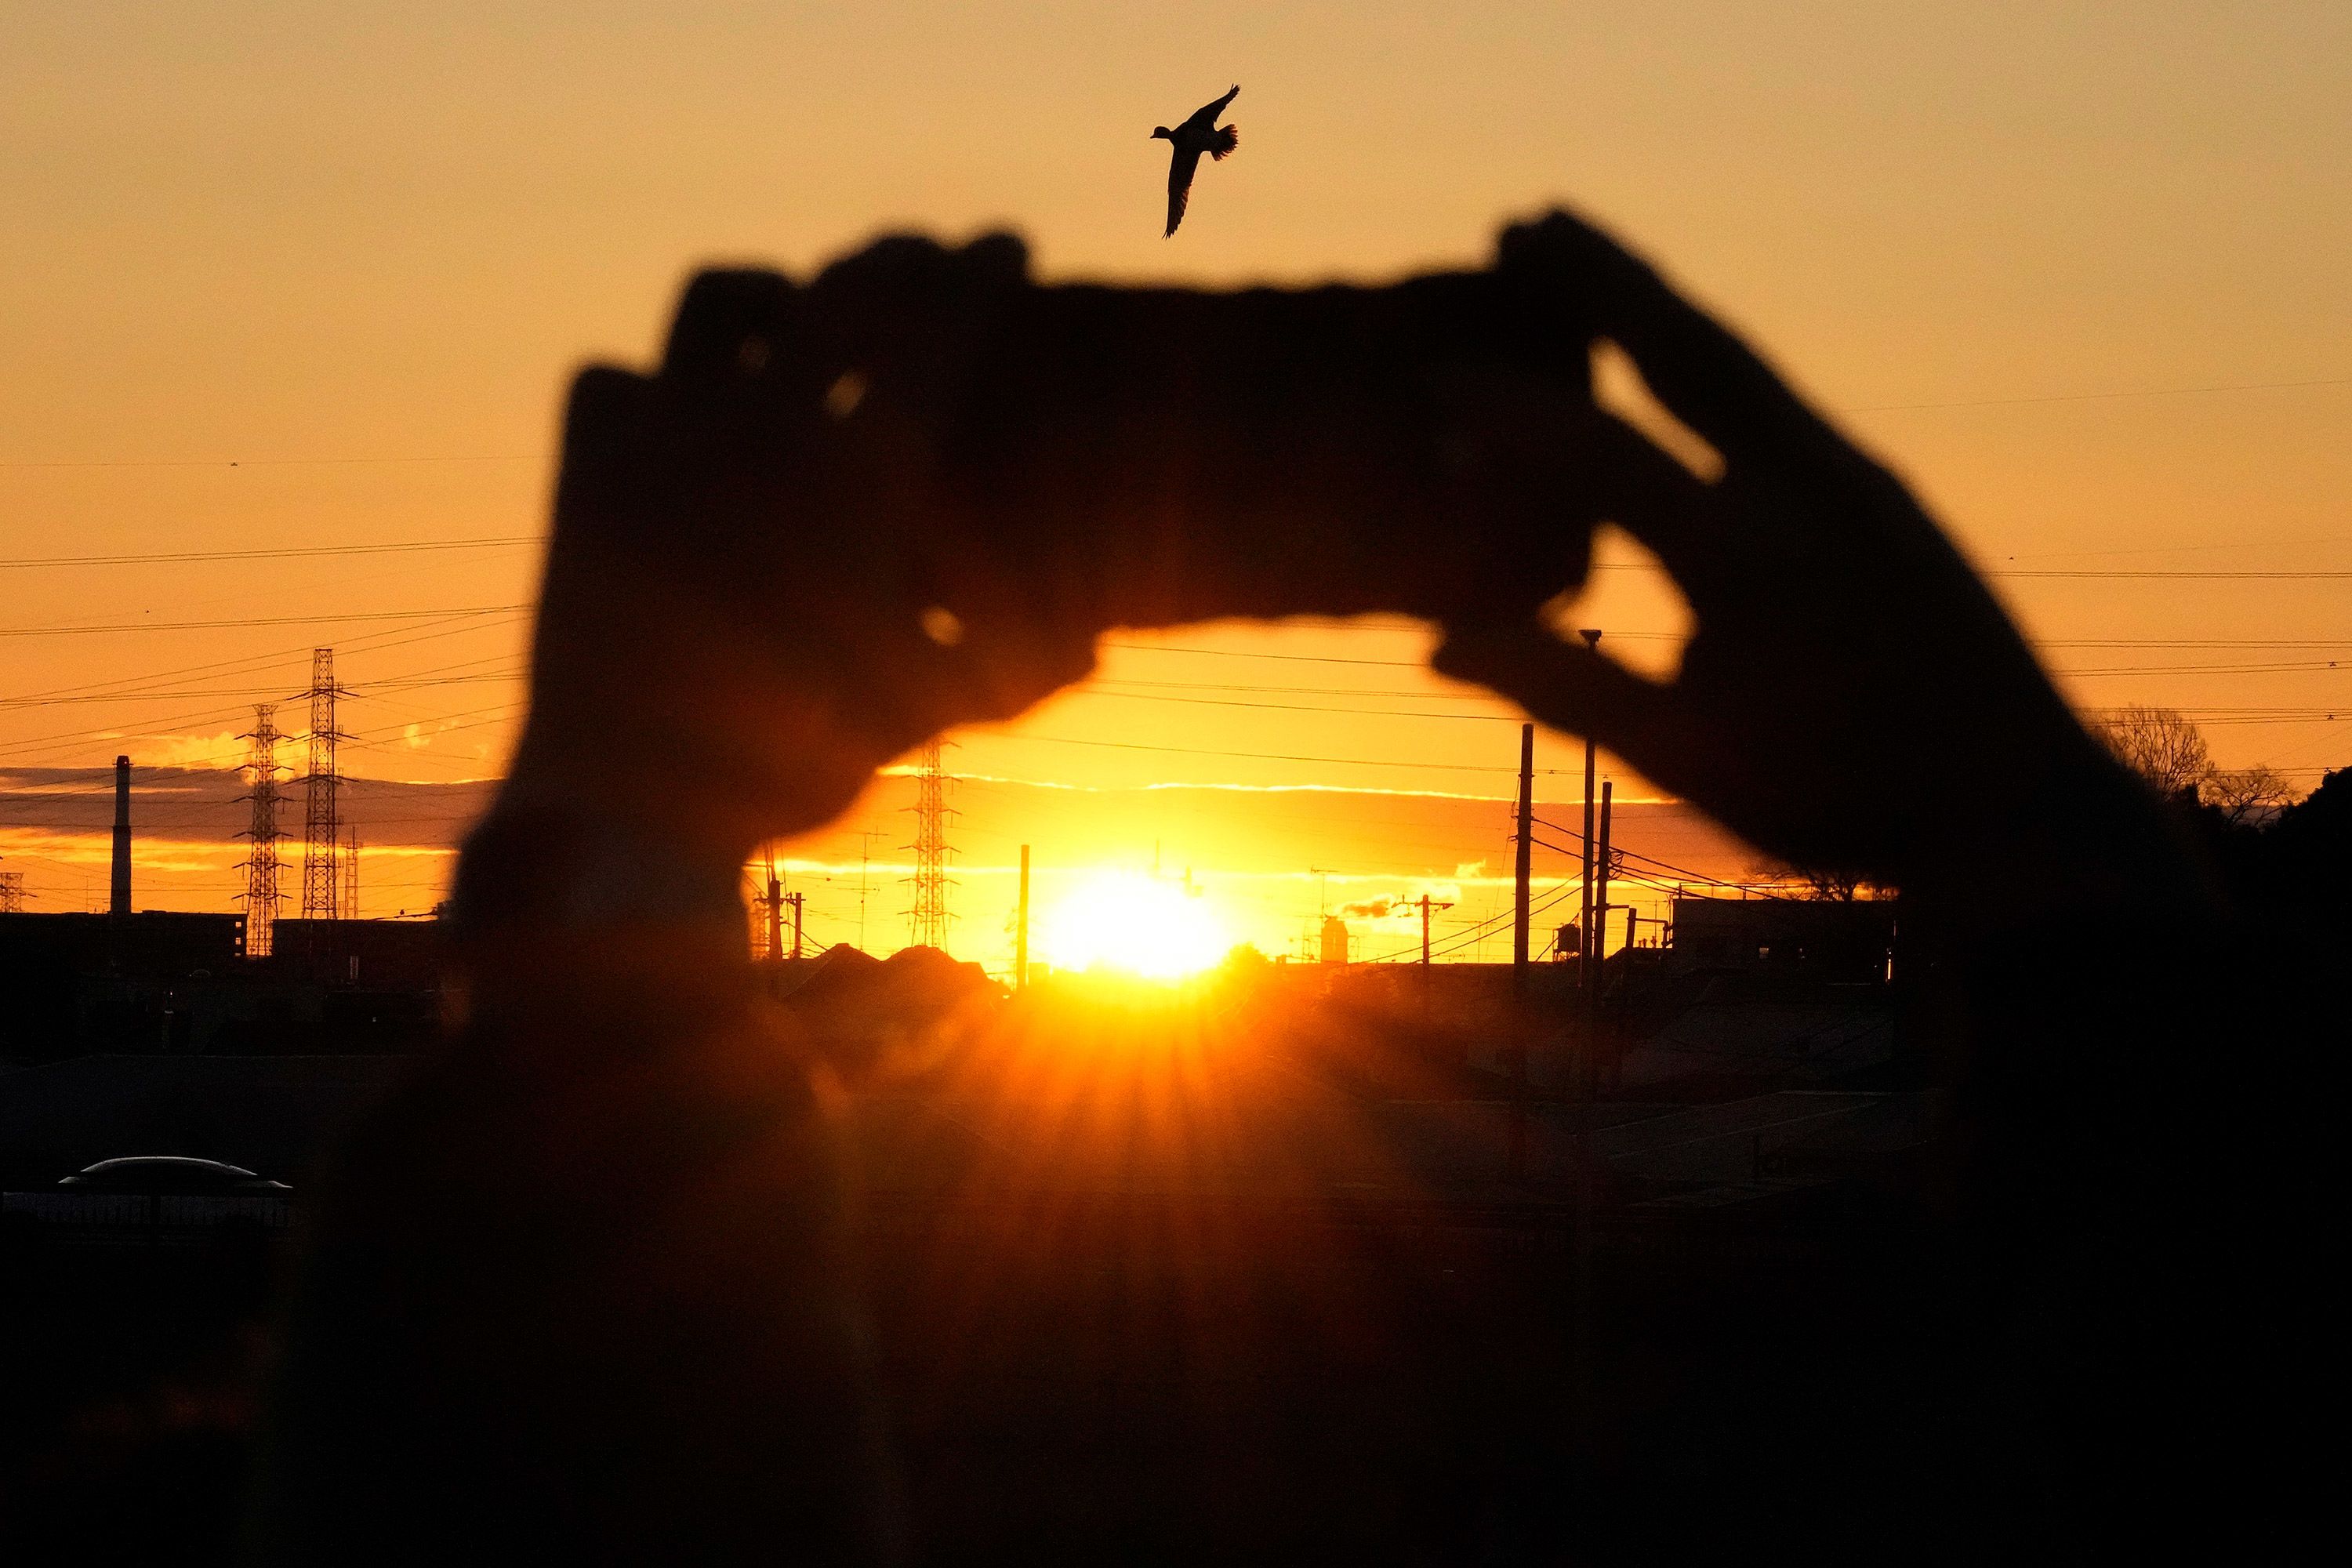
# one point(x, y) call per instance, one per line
point(119, 903)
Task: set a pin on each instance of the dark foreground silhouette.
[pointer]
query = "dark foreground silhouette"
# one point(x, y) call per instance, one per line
point(603, 1284)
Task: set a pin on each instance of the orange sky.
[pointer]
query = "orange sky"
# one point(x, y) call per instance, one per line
point(355, 250)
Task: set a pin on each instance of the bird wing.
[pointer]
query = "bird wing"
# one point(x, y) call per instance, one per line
point(1180, 166)
point(1206, 115)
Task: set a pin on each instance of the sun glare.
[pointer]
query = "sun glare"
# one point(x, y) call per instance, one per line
point(1136, 924)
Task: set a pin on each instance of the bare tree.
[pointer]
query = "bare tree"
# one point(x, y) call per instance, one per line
point(2249, 794)
point(1837, 887)
point(2160, 746)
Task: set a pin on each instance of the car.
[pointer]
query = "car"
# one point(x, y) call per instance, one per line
point(153, 1199)
point(175, 1174)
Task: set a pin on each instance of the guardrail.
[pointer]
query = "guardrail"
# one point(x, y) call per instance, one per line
point(143, 1216)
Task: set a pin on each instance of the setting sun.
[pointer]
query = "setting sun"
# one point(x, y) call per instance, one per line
point(1135, 923)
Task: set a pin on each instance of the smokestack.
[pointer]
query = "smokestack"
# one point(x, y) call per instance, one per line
point(121, 902)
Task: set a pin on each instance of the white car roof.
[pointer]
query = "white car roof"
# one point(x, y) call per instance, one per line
point(165, 1160)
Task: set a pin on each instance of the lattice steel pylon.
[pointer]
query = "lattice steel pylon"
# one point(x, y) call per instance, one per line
point(351, 872)
point(929, 920)
point(261, 893)
point(12, 892)
point(321, 828)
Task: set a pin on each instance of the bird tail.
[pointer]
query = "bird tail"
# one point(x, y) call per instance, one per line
point(1229, 137)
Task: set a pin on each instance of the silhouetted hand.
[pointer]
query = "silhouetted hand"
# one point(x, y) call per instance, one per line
point(845, 516)
point(1852, 697)
point(743, 616)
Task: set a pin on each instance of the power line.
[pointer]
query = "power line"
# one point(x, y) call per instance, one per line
point(2185, 573)
point(2248, 643)
point(2304, 543)
point(1296, 658)
point(268, 462)
point(373, 642)
point(1107, 686)
point(272, 553)
point(2097, 396)
point(549, 457)
point(1297, 707)
point(2182, 574)
point(1617, 852)
point(372, 691)
point(250, 621)
point(1274, 756)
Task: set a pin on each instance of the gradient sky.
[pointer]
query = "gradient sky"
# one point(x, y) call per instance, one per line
point(355, 250)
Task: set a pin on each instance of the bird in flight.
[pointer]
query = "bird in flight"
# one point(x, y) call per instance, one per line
point(1186, 144)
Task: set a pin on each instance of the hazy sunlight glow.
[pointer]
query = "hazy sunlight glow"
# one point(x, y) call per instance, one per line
point(1135, 923)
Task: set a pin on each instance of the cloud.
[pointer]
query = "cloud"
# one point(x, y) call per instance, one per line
point(200, 806)
point(203, 752)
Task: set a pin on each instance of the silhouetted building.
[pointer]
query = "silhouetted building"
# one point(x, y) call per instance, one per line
point(380, 956)
point(1335, 940)
point(80, 982)
point(1826, 941)
point(180, 983)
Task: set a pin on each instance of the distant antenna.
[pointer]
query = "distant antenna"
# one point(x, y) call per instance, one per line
point(261, 894)
point(928, 925)
point(321, 891)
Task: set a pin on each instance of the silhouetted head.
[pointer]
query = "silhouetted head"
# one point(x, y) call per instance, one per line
point(1159, 133)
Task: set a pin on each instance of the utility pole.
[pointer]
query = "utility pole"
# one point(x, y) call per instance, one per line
point(795, 899)
point(261, 894)
point(1588, 1067)
point(1021, 929)
point(1591, 636)
point(1425, 905)
point(1523, 858)
point(1585, 1200)
point(771, 907)
point(1515, 1162)
point(320, 822)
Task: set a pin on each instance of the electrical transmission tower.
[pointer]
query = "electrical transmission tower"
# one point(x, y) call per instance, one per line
point(261, 894)
point(351, 872)
point(928, 925)
point(12, 892)
point(321, 825)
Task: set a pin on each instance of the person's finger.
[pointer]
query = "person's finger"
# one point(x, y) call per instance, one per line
point(1672, 512)
point(733, 325)
point(1699, 369)
point(1572, 688)
point(604, 433)
point(1004, 643)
